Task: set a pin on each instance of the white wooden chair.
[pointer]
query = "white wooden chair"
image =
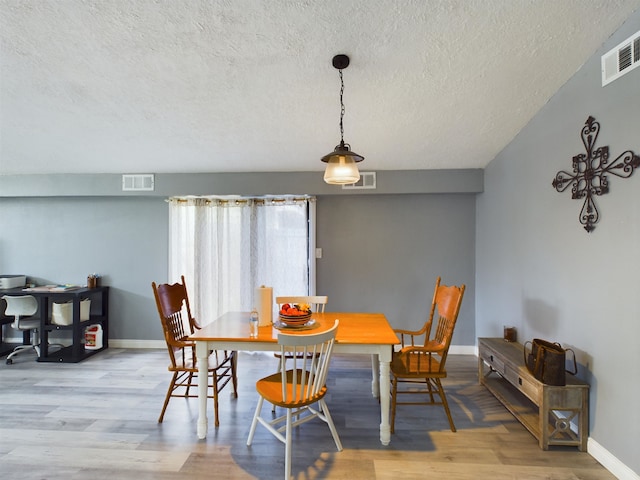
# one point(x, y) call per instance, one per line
point(317, 303)
point(298, 388)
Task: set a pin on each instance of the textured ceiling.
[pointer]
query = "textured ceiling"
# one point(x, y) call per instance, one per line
point(123, 86)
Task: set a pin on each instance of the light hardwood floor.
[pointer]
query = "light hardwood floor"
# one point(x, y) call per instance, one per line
point(98, 420)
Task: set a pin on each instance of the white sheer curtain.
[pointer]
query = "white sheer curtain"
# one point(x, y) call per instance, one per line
point(226, 247)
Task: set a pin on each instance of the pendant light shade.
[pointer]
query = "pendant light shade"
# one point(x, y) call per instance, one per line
point(341, 163)
point(341, 166)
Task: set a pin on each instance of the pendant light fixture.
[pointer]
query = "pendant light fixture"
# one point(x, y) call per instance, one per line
point(341, 163)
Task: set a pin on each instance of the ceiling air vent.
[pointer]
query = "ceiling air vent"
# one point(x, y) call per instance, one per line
point(138, 183)
point(620, 60)
point(367, 181)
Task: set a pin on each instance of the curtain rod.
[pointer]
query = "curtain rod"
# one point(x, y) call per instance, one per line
point(239, 200)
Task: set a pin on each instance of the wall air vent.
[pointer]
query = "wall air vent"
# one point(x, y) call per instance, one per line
point(138, 183)
point(367, 181)
point(620, 60)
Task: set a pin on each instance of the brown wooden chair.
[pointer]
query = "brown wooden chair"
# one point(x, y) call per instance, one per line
point(297, 389)
point(177, 324)
point(425, 364)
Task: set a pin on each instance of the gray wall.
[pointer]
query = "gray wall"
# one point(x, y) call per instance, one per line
point(539, 270)
point(382, 252)
point(62, 240)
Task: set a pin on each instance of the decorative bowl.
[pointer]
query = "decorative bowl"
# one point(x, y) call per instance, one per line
point(295, 319)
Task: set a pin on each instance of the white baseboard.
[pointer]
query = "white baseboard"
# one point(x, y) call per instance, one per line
point(463, 350)
point(124, 343)
point(610, 462)
point(137, 343)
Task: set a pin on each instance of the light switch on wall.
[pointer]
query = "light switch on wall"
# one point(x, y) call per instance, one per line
point(318, 253)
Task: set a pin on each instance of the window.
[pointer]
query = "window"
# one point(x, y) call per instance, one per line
point(227, 246)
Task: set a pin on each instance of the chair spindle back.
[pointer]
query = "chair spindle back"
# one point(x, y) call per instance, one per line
point(310, 363)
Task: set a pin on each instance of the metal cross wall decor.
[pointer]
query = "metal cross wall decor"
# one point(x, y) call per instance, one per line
point(589, 177)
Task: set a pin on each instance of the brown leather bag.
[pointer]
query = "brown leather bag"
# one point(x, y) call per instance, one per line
point(546, 362)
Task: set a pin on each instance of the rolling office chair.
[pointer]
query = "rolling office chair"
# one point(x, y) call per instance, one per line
point(18, 307)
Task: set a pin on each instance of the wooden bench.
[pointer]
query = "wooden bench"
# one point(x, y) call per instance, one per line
point(555, 415)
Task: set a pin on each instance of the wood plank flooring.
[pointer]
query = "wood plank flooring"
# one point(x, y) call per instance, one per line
point(98, 420)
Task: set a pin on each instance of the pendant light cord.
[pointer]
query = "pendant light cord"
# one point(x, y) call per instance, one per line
point(341, 108)
point(341, 162)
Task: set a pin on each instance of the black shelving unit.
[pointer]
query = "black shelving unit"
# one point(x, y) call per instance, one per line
point(98, 315)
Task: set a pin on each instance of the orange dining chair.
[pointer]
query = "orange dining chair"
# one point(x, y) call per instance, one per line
point(298, 388)
point(177, 324)
point(425, 364)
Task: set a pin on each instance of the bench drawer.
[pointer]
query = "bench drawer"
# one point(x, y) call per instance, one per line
point(527, 385)
point(492, 360)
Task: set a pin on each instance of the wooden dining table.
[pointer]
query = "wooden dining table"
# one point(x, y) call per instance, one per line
point(358, 333)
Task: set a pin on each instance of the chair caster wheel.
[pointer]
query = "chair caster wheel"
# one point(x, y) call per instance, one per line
point(9, 361)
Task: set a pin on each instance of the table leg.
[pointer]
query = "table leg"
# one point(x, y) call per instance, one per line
point(43, 333)
point(375, 376)
point(385, 428)
point(202, 352)
point(77, 348)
